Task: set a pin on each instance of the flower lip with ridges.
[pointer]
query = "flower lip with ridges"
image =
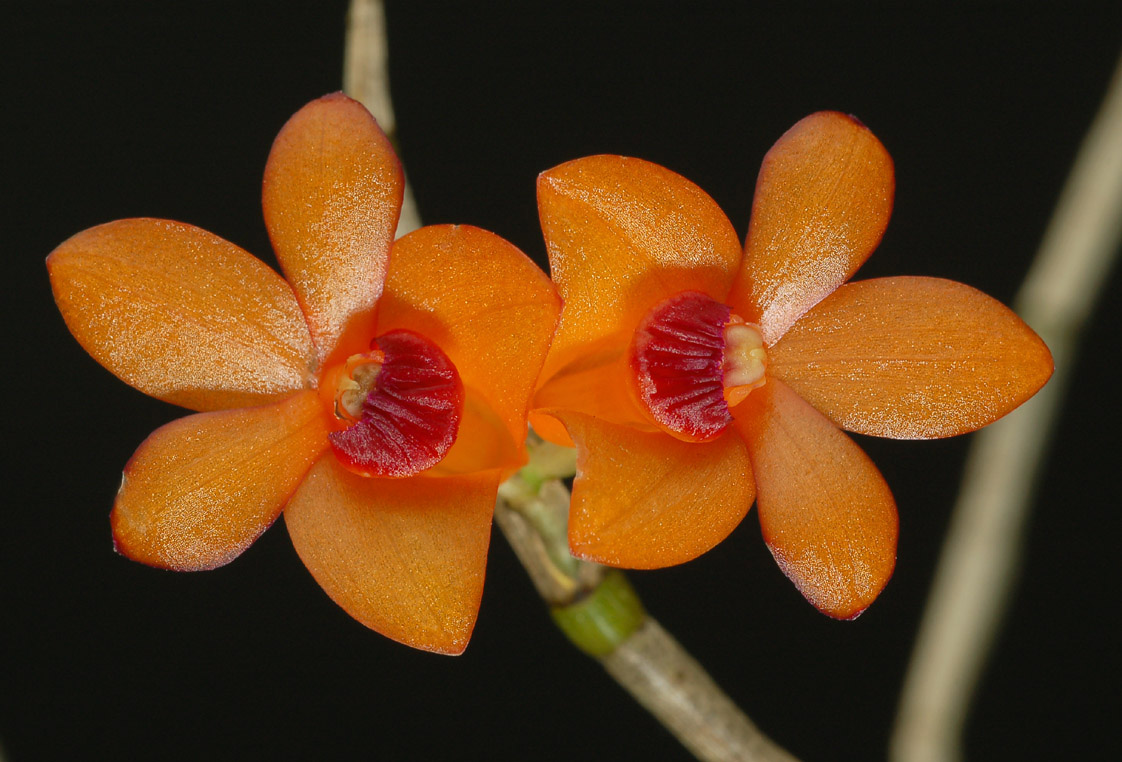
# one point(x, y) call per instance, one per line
point(406, 400)
point(691, 359)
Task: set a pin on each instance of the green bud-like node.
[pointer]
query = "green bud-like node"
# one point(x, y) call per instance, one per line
point(602, 620)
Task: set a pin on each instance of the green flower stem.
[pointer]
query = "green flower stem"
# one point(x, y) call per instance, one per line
point(533, 512)
point(543, 501)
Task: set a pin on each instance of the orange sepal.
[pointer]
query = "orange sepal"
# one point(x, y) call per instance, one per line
point(405, 557)
point(484, 303)
point(825, 511)
point(624, 234)
point(201, 489)
point(911, 358)
point(332, 194)
point(823, 199)
point(655, 501)
point(181, 314)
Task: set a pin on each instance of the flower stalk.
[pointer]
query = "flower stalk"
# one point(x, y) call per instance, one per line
point(600, 613)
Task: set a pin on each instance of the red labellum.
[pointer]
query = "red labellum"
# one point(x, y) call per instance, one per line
point(411, 412)
point(677, 359)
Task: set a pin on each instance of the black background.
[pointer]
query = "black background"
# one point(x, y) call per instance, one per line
point(168, 110)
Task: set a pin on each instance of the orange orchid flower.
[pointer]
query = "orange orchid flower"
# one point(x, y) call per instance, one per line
point(695, 376)
point(378, 396)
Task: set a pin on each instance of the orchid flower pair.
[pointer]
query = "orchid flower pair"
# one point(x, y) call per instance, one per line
point(380, 395)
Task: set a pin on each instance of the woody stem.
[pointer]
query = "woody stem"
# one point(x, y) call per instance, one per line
point(599, 612)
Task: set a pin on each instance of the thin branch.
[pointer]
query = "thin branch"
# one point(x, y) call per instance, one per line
point(981, 556)
point(649, 663)
point(366, 78)
point(665, 679)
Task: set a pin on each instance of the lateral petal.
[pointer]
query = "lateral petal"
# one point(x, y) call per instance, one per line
point(911, 358)
point(332, 194)
point(482, 301)
point(623, 234)
point(482, 443)
point(647, 500)
point(823, 199)
point(596, 384)
point(181, 314)
point(825, 511)
point(201, 489)
point(405, 557)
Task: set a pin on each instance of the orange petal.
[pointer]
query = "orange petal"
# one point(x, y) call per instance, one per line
point(911, 358)
point(484, 303)
point(482, 443)
point(826, 513)
point(405, 557)
point(624, 234)
point(597, 384)
point(647, 500)
point(181, 314)
point(332, 195)
point(822, 203)
point(550, 429)
point(201, 489)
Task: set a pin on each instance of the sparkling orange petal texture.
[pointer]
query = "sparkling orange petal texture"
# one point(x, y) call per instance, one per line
point(825, 511)
point(597, 384)
point(648, 500)
point(332, 195)
point(484, 303)
point(181, 314)
point(623, 234)
point(201, 489)
point(911, 358)
point(823, 199)
point(483, 441)
point(405, 557)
